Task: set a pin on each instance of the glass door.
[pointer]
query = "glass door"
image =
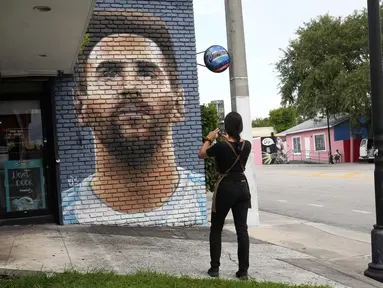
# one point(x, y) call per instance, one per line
point(22, 179)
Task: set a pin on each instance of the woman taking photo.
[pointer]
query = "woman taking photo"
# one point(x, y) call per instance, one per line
point(231, 191)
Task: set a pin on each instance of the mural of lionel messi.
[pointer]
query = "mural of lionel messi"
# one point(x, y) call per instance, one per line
point(128, 94)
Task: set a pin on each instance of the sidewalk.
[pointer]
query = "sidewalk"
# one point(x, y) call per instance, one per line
point(338, 254)
point(282, 249)
point(176, 251)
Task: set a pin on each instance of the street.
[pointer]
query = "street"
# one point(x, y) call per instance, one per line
point(341, 195)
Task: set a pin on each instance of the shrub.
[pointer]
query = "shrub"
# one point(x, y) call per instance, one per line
point(210, 121)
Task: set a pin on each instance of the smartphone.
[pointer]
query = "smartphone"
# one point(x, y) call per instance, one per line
point(221, 128)
point(221, 132)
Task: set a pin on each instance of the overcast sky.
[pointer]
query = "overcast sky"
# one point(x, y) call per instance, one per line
point(268, 27)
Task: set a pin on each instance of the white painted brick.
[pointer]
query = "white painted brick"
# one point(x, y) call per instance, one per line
point(114, 218)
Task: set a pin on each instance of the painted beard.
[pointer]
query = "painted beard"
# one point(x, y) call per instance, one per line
point(121, 133)
point(120, 136)
point(133, 152)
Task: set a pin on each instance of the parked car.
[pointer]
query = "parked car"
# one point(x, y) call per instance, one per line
point(367, 151)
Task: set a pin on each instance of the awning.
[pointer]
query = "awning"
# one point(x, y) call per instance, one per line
point(41, 37)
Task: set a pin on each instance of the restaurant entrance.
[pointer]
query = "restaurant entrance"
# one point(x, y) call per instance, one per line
point(28, 183)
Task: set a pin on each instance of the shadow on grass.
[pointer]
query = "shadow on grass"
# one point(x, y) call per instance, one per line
point(142, 279)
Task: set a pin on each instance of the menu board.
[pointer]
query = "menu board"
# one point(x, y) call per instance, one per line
point(24, 185)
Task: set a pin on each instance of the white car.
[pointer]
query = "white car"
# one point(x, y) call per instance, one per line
point(367, 150)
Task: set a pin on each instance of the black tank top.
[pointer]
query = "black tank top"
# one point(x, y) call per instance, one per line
point(225, 157)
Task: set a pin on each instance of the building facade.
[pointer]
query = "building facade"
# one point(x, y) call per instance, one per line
point(111, 142)
point(310, 142)
point(269, 148)
point(220, 106)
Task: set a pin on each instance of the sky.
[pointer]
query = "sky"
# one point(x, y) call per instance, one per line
point(269, 25)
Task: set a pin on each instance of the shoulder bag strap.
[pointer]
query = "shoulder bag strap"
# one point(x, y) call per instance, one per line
point(236, 154)
point(242, 147)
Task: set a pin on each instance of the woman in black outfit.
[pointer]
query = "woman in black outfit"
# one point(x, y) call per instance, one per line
point(231, 191)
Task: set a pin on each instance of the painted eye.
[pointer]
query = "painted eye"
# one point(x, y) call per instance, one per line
point(146, 74)
point(111, 74)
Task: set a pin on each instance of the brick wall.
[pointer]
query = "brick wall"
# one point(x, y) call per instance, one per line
point(128, 123)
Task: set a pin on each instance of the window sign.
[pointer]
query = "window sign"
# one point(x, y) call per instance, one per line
point(24, 185)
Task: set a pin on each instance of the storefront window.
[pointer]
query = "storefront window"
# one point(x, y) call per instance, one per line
point(21, 157)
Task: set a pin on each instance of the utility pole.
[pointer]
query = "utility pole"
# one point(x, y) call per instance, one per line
point(330, 159)
point(375, 268)
point(239, 90)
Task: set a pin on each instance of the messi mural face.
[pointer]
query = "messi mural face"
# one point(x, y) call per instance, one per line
point(133, 87)
point(128, 95)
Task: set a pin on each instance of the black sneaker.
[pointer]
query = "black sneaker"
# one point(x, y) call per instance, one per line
point(213, 272)
point(242, 275)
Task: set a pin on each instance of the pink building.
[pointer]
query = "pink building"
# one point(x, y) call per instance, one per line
point(270, 149)
point(309, 142)
point(257, 147)
point(313, 145)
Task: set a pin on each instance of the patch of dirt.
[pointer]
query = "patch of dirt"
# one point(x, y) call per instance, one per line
point(6, 277)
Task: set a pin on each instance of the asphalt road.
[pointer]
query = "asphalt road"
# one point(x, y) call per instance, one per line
point(341, 195)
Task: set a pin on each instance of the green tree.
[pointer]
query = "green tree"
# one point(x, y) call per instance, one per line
point(260, 122)
point(283, 118)
point(325, 70)
point(300, 119)
point(209, 118)
point(210, 121)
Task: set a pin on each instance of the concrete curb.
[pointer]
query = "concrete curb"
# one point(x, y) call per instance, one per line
point(12, 273)
point(327, 268)
point(341, 275)
point(291, 165)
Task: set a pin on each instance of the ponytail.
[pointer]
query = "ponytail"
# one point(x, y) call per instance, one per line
point(234, 127)
point(238, 143)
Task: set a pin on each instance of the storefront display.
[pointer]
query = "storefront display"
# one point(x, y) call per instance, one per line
point(21, 157)
point(24, 184)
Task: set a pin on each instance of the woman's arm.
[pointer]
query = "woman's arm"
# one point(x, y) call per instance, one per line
point(202, 151)
point(209, 139)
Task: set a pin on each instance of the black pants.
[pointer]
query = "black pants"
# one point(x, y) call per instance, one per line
point(234, 195)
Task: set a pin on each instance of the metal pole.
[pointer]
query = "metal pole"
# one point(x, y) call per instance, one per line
point(375, 268)
point(239, 90)
point(330, 160)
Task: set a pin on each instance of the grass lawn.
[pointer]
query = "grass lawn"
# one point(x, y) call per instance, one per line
point(139, 280)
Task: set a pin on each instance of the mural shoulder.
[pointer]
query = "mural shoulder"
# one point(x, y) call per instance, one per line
point(191, 177)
